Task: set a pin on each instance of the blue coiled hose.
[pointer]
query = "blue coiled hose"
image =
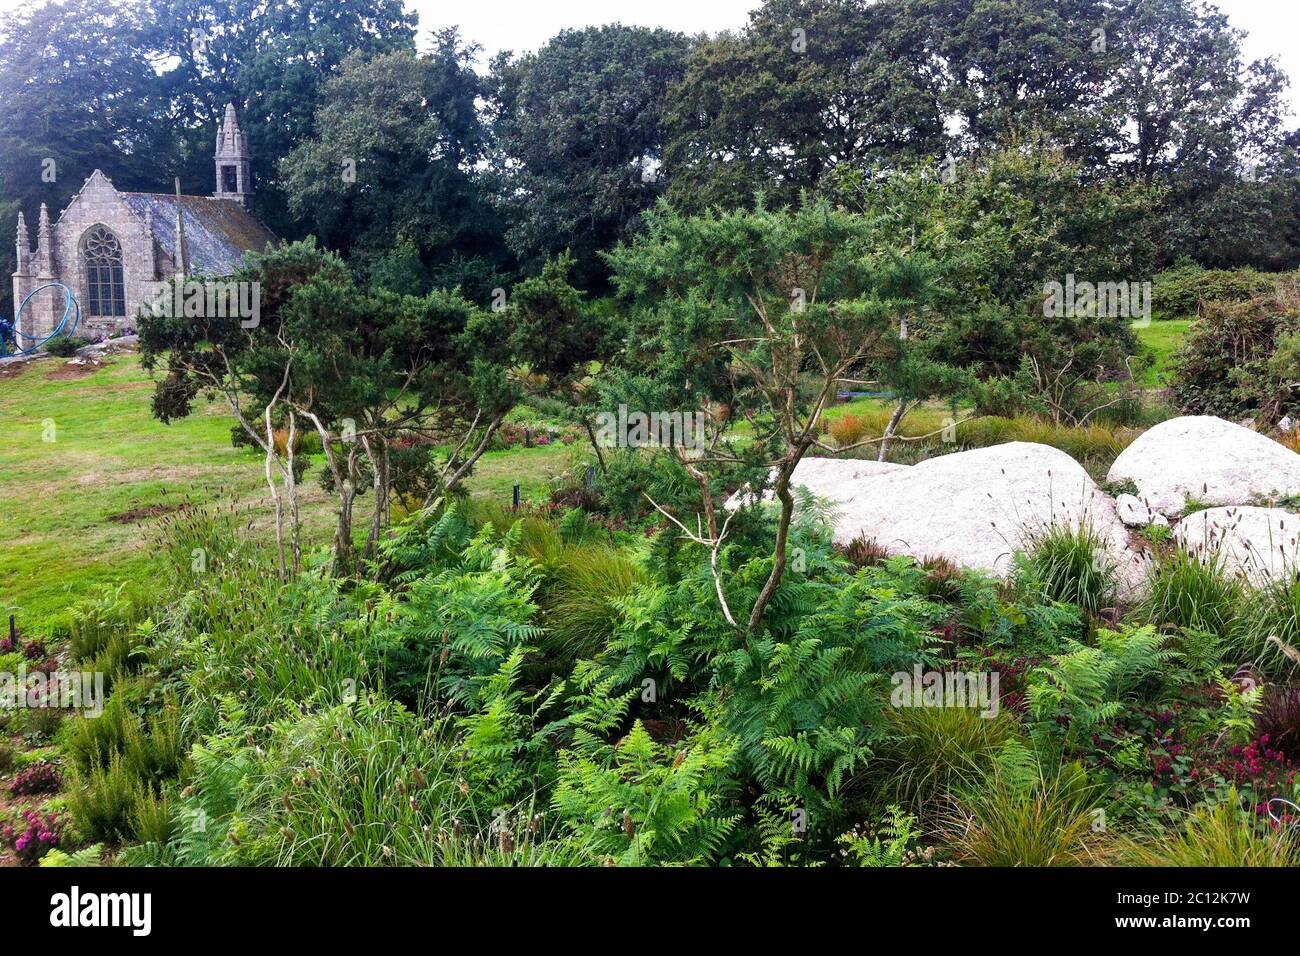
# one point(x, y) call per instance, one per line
point(67, 325)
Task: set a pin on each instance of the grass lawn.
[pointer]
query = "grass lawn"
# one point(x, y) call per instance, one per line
point(86, 471)
point(1162, 338)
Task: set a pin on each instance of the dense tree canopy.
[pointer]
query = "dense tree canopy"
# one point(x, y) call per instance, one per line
point(391, 158)
point(472, 174)
point(580, 130)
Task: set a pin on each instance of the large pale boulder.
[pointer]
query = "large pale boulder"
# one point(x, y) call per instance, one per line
point(1208, 459)
point(1257, 543)
point(833, 479)
point(978, 507)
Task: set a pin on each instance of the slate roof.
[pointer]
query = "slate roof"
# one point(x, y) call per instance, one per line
point(217, 231)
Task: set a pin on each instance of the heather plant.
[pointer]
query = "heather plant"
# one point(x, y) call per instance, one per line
point(97, 622)
point(33, 835)
point(104, 800)
point(89, 742)
point(42, 777)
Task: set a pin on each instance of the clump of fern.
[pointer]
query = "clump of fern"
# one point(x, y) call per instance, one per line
point(86, 856)
point(642, 802)
point(1087, 686)
point(894, 841)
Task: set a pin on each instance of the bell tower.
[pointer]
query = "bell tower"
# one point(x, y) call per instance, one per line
point(234, 181)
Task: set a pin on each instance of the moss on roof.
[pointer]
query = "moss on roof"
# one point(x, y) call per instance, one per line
point(217, 231)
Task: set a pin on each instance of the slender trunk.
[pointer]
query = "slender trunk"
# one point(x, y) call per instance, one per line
point(783, 495)
point(706, 493)
point(344, 548)
point(388, 488)
point(894, 421)
point(345, 489)
point(291, 492)
point(275, 494)
point(379, 482)
point(595, 445)
point(451, 482)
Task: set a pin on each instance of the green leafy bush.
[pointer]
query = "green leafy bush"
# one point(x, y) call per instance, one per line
point(66, 346)
point(1226, 366)
point(1183, 291)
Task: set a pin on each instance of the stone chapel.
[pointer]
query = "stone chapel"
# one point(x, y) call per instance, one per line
point(112, 248)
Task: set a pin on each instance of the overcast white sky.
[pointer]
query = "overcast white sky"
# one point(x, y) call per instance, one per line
point(1273, 26)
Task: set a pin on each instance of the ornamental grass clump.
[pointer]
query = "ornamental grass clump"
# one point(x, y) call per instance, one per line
point(1195, 591)
point(1071, 564)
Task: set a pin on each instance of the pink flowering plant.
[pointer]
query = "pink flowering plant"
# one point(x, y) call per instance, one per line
point(33, 835)
point(41, 777)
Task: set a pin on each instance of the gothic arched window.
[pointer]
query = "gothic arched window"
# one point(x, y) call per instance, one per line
point(104, 282)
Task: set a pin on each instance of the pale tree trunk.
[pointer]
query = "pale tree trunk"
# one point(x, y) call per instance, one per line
point(901, 410)
point(271, 457)
point(291, 491)
point(894, 421)
point(379, 482)
point(344, 476)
